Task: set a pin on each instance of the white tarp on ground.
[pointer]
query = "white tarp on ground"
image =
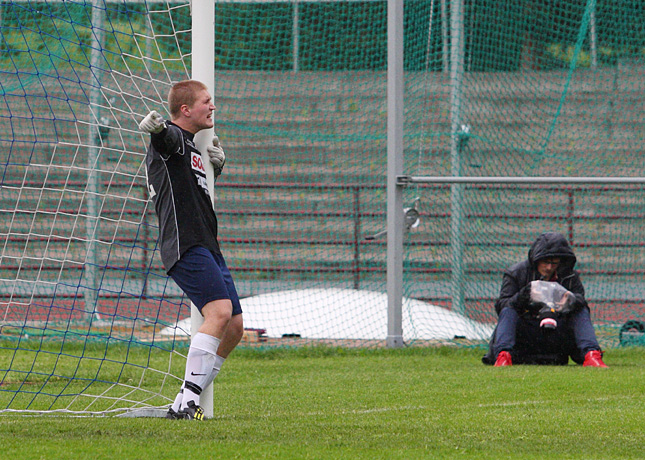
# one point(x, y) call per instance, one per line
point(346, 314)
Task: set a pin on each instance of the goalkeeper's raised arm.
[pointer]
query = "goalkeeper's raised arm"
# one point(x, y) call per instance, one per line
point(188, 235)
point(153, 123)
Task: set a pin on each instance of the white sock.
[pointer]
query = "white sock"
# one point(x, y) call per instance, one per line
point(219, 362)
point(176, 405)
point(199, 366)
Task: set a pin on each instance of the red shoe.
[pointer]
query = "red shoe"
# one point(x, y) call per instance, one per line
point(593, 358)
point(504, 359)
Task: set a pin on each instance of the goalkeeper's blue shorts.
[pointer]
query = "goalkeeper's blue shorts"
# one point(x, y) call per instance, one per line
point(204, 277)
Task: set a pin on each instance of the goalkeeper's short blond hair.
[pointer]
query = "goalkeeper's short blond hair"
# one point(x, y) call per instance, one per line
point(183, 93)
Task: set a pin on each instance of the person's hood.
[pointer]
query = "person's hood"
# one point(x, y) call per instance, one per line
point(552, 244)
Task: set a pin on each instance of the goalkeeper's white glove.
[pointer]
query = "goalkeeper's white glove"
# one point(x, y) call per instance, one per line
point(216, 155)
point(153, 123)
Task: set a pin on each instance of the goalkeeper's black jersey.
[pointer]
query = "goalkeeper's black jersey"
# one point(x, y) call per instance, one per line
point(178, 188)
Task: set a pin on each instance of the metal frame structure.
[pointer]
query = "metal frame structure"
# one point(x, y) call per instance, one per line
point(459, 133)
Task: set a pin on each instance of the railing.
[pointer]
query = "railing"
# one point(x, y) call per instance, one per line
point(356, 212)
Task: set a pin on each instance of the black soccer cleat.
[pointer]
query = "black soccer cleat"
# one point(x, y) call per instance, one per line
point(171, 414)
point(192, 412)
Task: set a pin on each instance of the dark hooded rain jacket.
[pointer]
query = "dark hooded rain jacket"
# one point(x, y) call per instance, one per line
point(547, 245)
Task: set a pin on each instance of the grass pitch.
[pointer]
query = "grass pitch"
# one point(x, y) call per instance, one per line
point(324, 403)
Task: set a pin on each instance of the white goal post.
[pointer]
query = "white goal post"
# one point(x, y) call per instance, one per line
point(203, 69)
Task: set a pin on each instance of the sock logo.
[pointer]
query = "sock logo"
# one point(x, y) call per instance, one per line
point(192, 373)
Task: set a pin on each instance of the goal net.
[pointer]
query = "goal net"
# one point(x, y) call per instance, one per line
point(82, 292)
point(89, 321)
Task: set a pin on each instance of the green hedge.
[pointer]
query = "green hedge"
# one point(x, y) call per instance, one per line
point(500, 36)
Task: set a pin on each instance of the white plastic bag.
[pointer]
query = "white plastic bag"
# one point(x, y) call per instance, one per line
point(552, 295)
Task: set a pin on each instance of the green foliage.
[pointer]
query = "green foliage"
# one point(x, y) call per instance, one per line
point(331, 36)
point(57, 38)
point(253, 36)
point(561, 56)
point(344, 36)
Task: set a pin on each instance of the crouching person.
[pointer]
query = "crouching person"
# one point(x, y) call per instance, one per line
point(532, 329)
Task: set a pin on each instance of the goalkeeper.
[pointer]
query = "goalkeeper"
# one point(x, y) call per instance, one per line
point(188, 235)
point(532, 329)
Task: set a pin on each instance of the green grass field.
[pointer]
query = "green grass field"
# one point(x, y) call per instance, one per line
point(372, 404)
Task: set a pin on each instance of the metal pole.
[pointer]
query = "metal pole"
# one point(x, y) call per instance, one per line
point(593, 45)
point(150, 30)
point(203, 69)
point(406, 180)
point(357, 238)
point(90, 267)
point(296, 37)
point(395, 83)
point(456, 78)
point(444, 37)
